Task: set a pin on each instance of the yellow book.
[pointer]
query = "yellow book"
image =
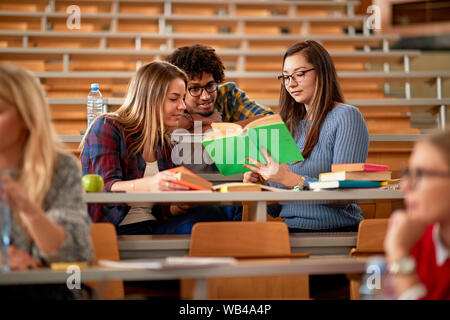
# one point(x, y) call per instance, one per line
point(241, 186)
point(390, 182)
point(64, 265)
point(237, 186)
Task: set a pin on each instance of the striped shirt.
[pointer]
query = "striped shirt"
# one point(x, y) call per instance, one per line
point(343, 138)
point(234, 104)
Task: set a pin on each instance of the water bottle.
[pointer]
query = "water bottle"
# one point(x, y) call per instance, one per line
point(5, 232)
point(375, 284)
point(94, 103)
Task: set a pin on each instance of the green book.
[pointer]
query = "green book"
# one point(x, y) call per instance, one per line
point(229, 145)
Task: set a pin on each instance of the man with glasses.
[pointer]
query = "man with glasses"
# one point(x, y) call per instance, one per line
point(207, 99)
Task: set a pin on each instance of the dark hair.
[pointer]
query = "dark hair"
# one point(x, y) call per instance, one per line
point(326, 93)
point(196, 59)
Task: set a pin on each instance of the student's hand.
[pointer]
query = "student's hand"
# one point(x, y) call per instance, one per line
point(216, 116)
point(177, 209)
point(163, 181)
point(403, 232)
point(273, 171)
point(21, 260)
point(18, 198)
point(185, 122)
point(252, 177)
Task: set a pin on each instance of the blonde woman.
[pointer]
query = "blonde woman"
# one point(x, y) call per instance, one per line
point(49, 219)
point(130, 148)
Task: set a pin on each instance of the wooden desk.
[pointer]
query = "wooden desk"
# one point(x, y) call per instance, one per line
point(257, 201)
point(161, 246)
point(312, 266)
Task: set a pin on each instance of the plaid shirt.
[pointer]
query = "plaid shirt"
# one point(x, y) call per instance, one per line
point(235, 105)
point(105, 154)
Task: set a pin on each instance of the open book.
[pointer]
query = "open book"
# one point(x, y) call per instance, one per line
point(229, 144)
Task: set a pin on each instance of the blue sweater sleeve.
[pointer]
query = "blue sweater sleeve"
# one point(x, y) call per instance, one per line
point(352, 138)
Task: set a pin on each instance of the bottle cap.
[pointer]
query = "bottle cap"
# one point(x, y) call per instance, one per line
point(94, 86)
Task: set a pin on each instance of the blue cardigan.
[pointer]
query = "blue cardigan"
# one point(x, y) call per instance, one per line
point(343, 138)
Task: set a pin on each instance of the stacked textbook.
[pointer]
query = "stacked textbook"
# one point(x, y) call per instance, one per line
point(352, 175)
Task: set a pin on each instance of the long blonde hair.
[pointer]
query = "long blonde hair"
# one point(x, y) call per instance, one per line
point(141, 114)
point(21, 89)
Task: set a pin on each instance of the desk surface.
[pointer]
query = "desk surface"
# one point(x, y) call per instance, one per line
point(233, 197)
point(160, 246)
point(329, 265)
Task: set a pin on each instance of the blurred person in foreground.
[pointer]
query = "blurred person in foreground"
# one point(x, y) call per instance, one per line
point(417, 243)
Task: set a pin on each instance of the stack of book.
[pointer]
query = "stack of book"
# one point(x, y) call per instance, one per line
point(352, 175)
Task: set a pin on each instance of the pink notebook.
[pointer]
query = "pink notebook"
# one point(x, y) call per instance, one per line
point(358, 167)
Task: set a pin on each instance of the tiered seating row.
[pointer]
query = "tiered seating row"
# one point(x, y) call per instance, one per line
point(351, 82)
point(424, 102)
point(206, 7)
point(67, 59)
point(162, 23)
point(170, 41)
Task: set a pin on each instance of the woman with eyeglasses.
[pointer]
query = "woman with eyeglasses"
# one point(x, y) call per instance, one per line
point(417, 242)
point(326, 130)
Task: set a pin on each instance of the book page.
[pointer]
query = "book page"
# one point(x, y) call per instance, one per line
point(226, 128)
point(264, 120)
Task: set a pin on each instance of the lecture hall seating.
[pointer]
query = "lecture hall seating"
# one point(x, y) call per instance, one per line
point(117, 36)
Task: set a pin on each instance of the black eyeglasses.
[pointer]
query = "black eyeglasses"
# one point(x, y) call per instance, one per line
point(197, 91)
point(416, 175)
point(298, 76)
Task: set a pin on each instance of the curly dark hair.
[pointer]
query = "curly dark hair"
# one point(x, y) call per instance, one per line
point(196, 59)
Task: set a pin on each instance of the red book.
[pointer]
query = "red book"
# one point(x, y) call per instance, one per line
point(189, 179)
point(349, 167)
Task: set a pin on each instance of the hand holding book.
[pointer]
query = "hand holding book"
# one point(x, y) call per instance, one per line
point(162, 181)
point(273, 171)
point(229, 144)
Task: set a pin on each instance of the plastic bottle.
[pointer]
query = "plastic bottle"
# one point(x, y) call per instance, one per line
point(94, 103)
point(375, 284)
point(5, 232)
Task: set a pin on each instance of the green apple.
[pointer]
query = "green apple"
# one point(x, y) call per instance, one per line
point(92, 183)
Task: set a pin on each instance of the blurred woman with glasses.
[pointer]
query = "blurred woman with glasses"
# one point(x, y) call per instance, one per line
point(417, 243)
point(326, 130)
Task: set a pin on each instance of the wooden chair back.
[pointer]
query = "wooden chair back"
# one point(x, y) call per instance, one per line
point(246, 240)
point(371, 234)
point(104, 242)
